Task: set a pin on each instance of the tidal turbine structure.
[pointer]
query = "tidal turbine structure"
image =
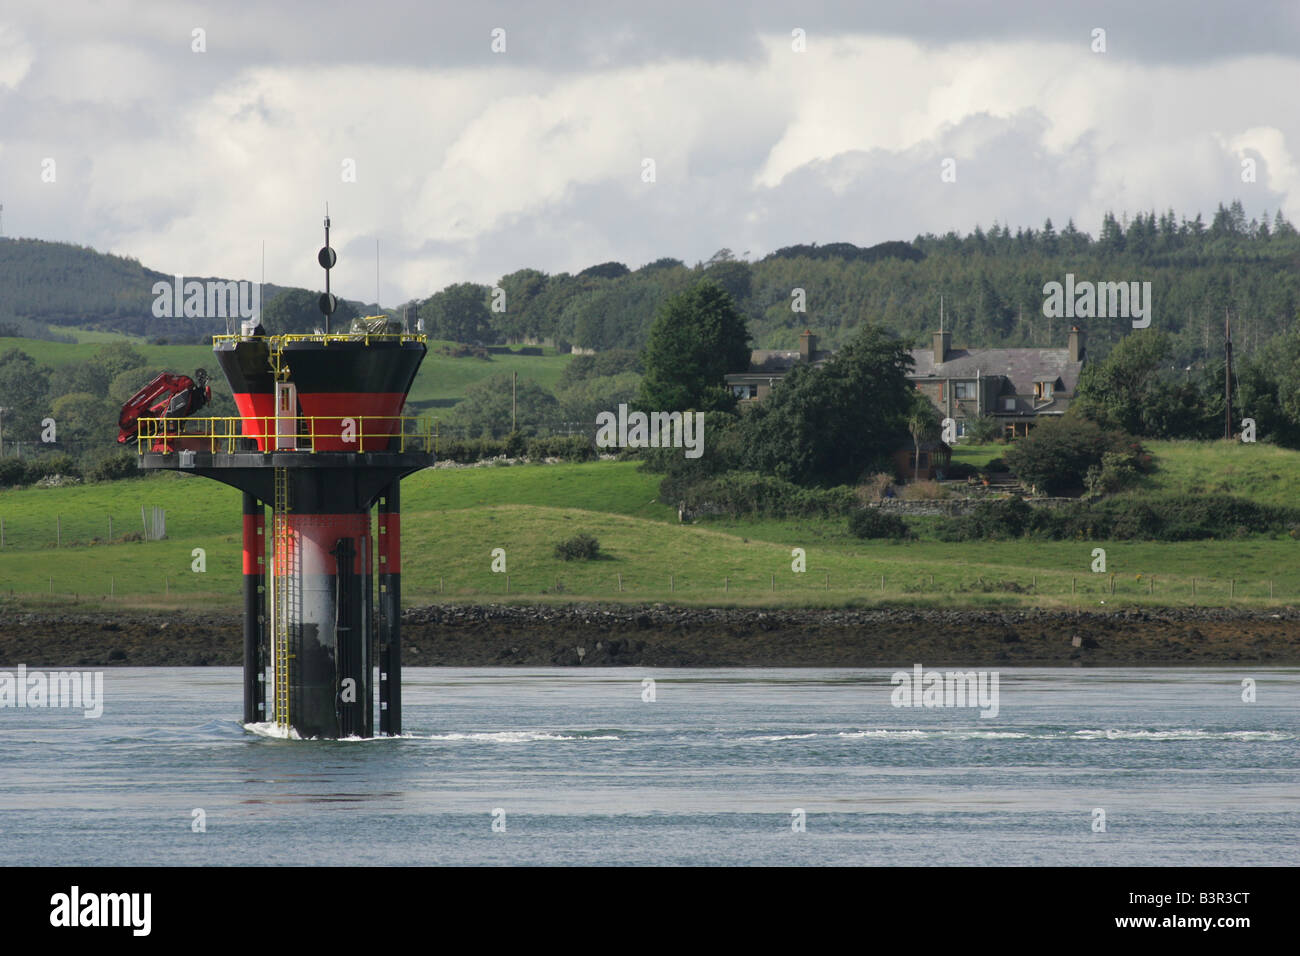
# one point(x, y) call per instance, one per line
point(320, 439)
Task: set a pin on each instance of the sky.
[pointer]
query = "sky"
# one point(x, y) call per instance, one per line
point(461, 142)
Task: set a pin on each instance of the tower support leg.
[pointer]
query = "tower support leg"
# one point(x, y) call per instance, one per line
point(254, 581)
point(390, 611)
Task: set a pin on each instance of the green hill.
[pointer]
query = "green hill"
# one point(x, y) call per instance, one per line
point(453, 518)
point(990, 279)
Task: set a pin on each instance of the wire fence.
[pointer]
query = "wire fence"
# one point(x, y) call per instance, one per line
point(89, 583)
point(20, 532)
point(1094, 588)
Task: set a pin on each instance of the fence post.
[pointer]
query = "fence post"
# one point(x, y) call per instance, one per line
point(1270, 590)
point(773, 582)
point(1232, 587)
point(110, 528)
point(1072, 585)
point(882, 582)
point(620, 582)
point(671, 584)
point(440, 584)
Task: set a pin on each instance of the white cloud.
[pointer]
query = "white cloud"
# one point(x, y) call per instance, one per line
point(473, 170)
point(16, 56)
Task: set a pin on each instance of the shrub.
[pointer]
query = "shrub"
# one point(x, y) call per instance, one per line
point(469, 450)
point(1117, 471)
point(115, 467)
point(57, 464)
point(1056, 455)
point(873, 487)
point(996, 465)
point(1184, 518)
point(874, 523)
point(14, 472)
point(568, 447)
point(959, 470)
point(515, 445)
point(983, 430)
point(740, 493)
point(581, 547)
point(991, 520)
point(924, 491)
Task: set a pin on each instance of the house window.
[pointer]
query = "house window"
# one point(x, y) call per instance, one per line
point(1043, 391)
point(1009, 404)
point(965, 391)
point(744, 391)
point(961, 428)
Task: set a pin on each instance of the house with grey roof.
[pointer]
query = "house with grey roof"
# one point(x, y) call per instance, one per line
point(1016, 387)
point(768, 366)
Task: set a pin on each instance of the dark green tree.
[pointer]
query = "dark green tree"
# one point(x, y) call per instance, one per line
point(486, 407)
point(696, 339)
point(1114, 392)
point(24, 394)
point(1055, 457)
point(834, 424)
point(113, 359)
point(923, 424)
point(460, 313)
point(298, 311)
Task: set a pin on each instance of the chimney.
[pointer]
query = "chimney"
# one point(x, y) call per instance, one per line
point(942, 346)
point(1076, 344)
point(807, 346)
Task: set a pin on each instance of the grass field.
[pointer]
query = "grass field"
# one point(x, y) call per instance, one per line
point(453, 518)
point(94, 335)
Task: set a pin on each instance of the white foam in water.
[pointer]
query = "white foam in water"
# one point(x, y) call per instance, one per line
point(515, 737)
point(1185, 734)
point(271, 729)
point(275, 731)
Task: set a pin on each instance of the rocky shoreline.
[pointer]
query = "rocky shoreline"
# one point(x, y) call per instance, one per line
point(587, 635)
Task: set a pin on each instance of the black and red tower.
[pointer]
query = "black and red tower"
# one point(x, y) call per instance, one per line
point(320, 439)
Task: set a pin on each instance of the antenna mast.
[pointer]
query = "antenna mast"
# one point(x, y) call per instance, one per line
point(1227, 375)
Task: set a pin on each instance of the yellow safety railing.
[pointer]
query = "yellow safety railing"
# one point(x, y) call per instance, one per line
point(324, 337)
point(306, 433)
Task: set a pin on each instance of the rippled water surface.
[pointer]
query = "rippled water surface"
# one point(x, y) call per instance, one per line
point(586, 771)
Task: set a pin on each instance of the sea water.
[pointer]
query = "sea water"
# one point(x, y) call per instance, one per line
point(1107, 766)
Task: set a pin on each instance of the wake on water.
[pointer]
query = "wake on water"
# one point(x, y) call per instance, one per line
point(274, 731)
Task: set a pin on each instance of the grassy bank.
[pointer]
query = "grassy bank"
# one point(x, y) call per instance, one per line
point(453, 518)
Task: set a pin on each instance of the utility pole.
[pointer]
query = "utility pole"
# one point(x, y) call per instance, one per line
point(1227, 375)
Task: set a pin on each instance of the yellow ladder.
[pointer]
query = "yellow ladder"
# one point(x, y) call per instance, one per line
point(284, 614)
